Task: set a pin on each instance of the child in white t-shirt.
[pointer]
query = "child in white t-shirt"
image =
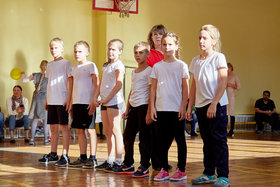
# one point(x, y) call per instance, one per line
point(208, 93)
point(136, 113)
point(169, 95)
point(112, 104)
point(84, 102)
point(58, 102)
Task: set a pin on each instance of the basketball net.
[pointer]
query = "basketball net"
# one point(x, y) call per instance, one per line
point(124, 7)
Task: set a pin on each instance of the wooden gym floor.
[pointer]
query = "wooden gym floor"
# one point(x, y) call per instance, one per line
point(254, 161)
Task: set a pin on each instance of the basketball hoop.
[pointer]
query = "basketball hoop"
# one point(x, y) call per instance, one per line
point(124, 7)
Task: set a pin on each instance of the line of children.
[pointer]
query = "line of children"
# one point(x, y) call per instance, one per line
point(168, 101)
point(84, 102)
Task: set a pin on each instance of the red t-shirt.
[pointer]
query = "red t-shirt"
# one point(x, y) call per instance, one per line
point(155, 57)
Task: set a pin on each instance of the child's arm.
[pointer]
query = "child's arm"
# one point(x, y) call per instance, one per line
point(26, 79)
point(191, 101)
point(116, 88)
point(153, 99)
point(94, 102)
point(125, 114)
point(68, 102)
point(211, 112)
point(185, 95)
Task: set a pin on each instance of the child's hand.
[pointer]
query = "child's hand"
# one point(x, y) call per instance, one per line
point(189, 115)
point(125, 115)
point(46, 106)
point(91, 107)
point(211, 111)
point(148, 119)
point(181, 114)
point(153, 114)
point(103, 101)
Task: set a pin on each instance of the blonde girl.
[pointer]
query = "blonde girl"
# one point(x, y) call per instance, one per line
point(112, 103)
point(208, 93)
point(169, 94)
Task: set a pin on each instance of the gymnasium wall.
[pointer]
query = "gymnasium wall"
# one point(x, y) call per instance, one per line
point(249, 30)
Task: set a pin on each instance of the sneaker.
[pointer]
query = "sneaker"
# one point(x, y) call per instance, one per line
point(1, 140)
point(222, 182)
point(162, 175)
point(112, 167)
point(90, 163)
point(46, 141)
point(187, 134)
point(26, 140)
point(193, 133)
point(259, 132)
point(64, 161)
point(124, 169)
point(78, 163)
point(49, 158)
point(141, 172)
point(12, 141)
point(230, 134)
point(102, 166)
point(178, 175)
point(204, 179)
point(31, 142)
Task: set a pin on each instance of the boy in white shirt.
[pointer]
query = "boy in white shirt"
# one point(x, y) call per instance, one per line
point(136, 113)
point(84, 100)
point(58, 102)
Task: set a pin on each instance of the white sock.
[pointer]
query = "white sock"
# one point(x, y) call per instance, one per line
point(119, 161)
point(111, 160)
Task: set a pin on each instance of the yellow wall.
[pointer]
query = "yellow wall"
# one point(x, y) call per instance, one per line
point(249, 30)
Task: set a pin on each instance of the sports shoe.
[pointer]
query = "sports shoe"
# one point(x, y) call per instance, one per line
point(112, 167)
point(187, 134)
point(141, 172)
point(90, 163)
point(64, 161)
point(230, 134)
point(102, 166)
point(178, 175)
point(31, 142)
point(78, 163)
point(222, 182)
point(49, 158)
point(26, 140)
point(124, 169)
point(204, 179)
point(162, 175)
point(193, 133)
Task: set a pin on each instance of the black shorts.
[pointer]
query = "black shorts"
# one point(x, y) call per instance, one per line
point(81, 119)
point(57, 114)
point(117, 106)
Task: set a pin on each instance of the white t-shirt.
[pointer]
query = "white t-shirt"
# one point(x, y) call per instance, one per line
point(57, 73)
point(140, 87)
point(169, 84)
point(207, 78)
point(109, 81)
point(83, 87)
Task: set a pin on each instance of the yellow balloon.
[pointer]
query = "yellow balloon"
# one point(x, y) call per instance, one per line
point(15, 73)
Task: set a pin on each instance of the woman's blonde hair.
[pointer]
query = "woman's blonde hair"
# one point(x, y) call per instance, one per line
point(176, 40)
point(158, 28)
point(215, 35)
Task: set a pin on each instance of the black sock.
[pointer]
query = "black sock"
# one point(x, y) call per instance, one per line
point(83, 156)
point(92, 157)
point(53, 153)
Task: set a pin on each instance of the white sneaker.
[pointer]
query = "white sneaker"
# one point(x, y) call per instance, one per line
point(187, 134)
point(31, 142)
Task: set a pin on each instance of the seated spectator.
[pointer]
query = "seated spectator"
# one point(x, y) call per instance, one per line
point(266, 112)
point(17, 107)
point(1, 125)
